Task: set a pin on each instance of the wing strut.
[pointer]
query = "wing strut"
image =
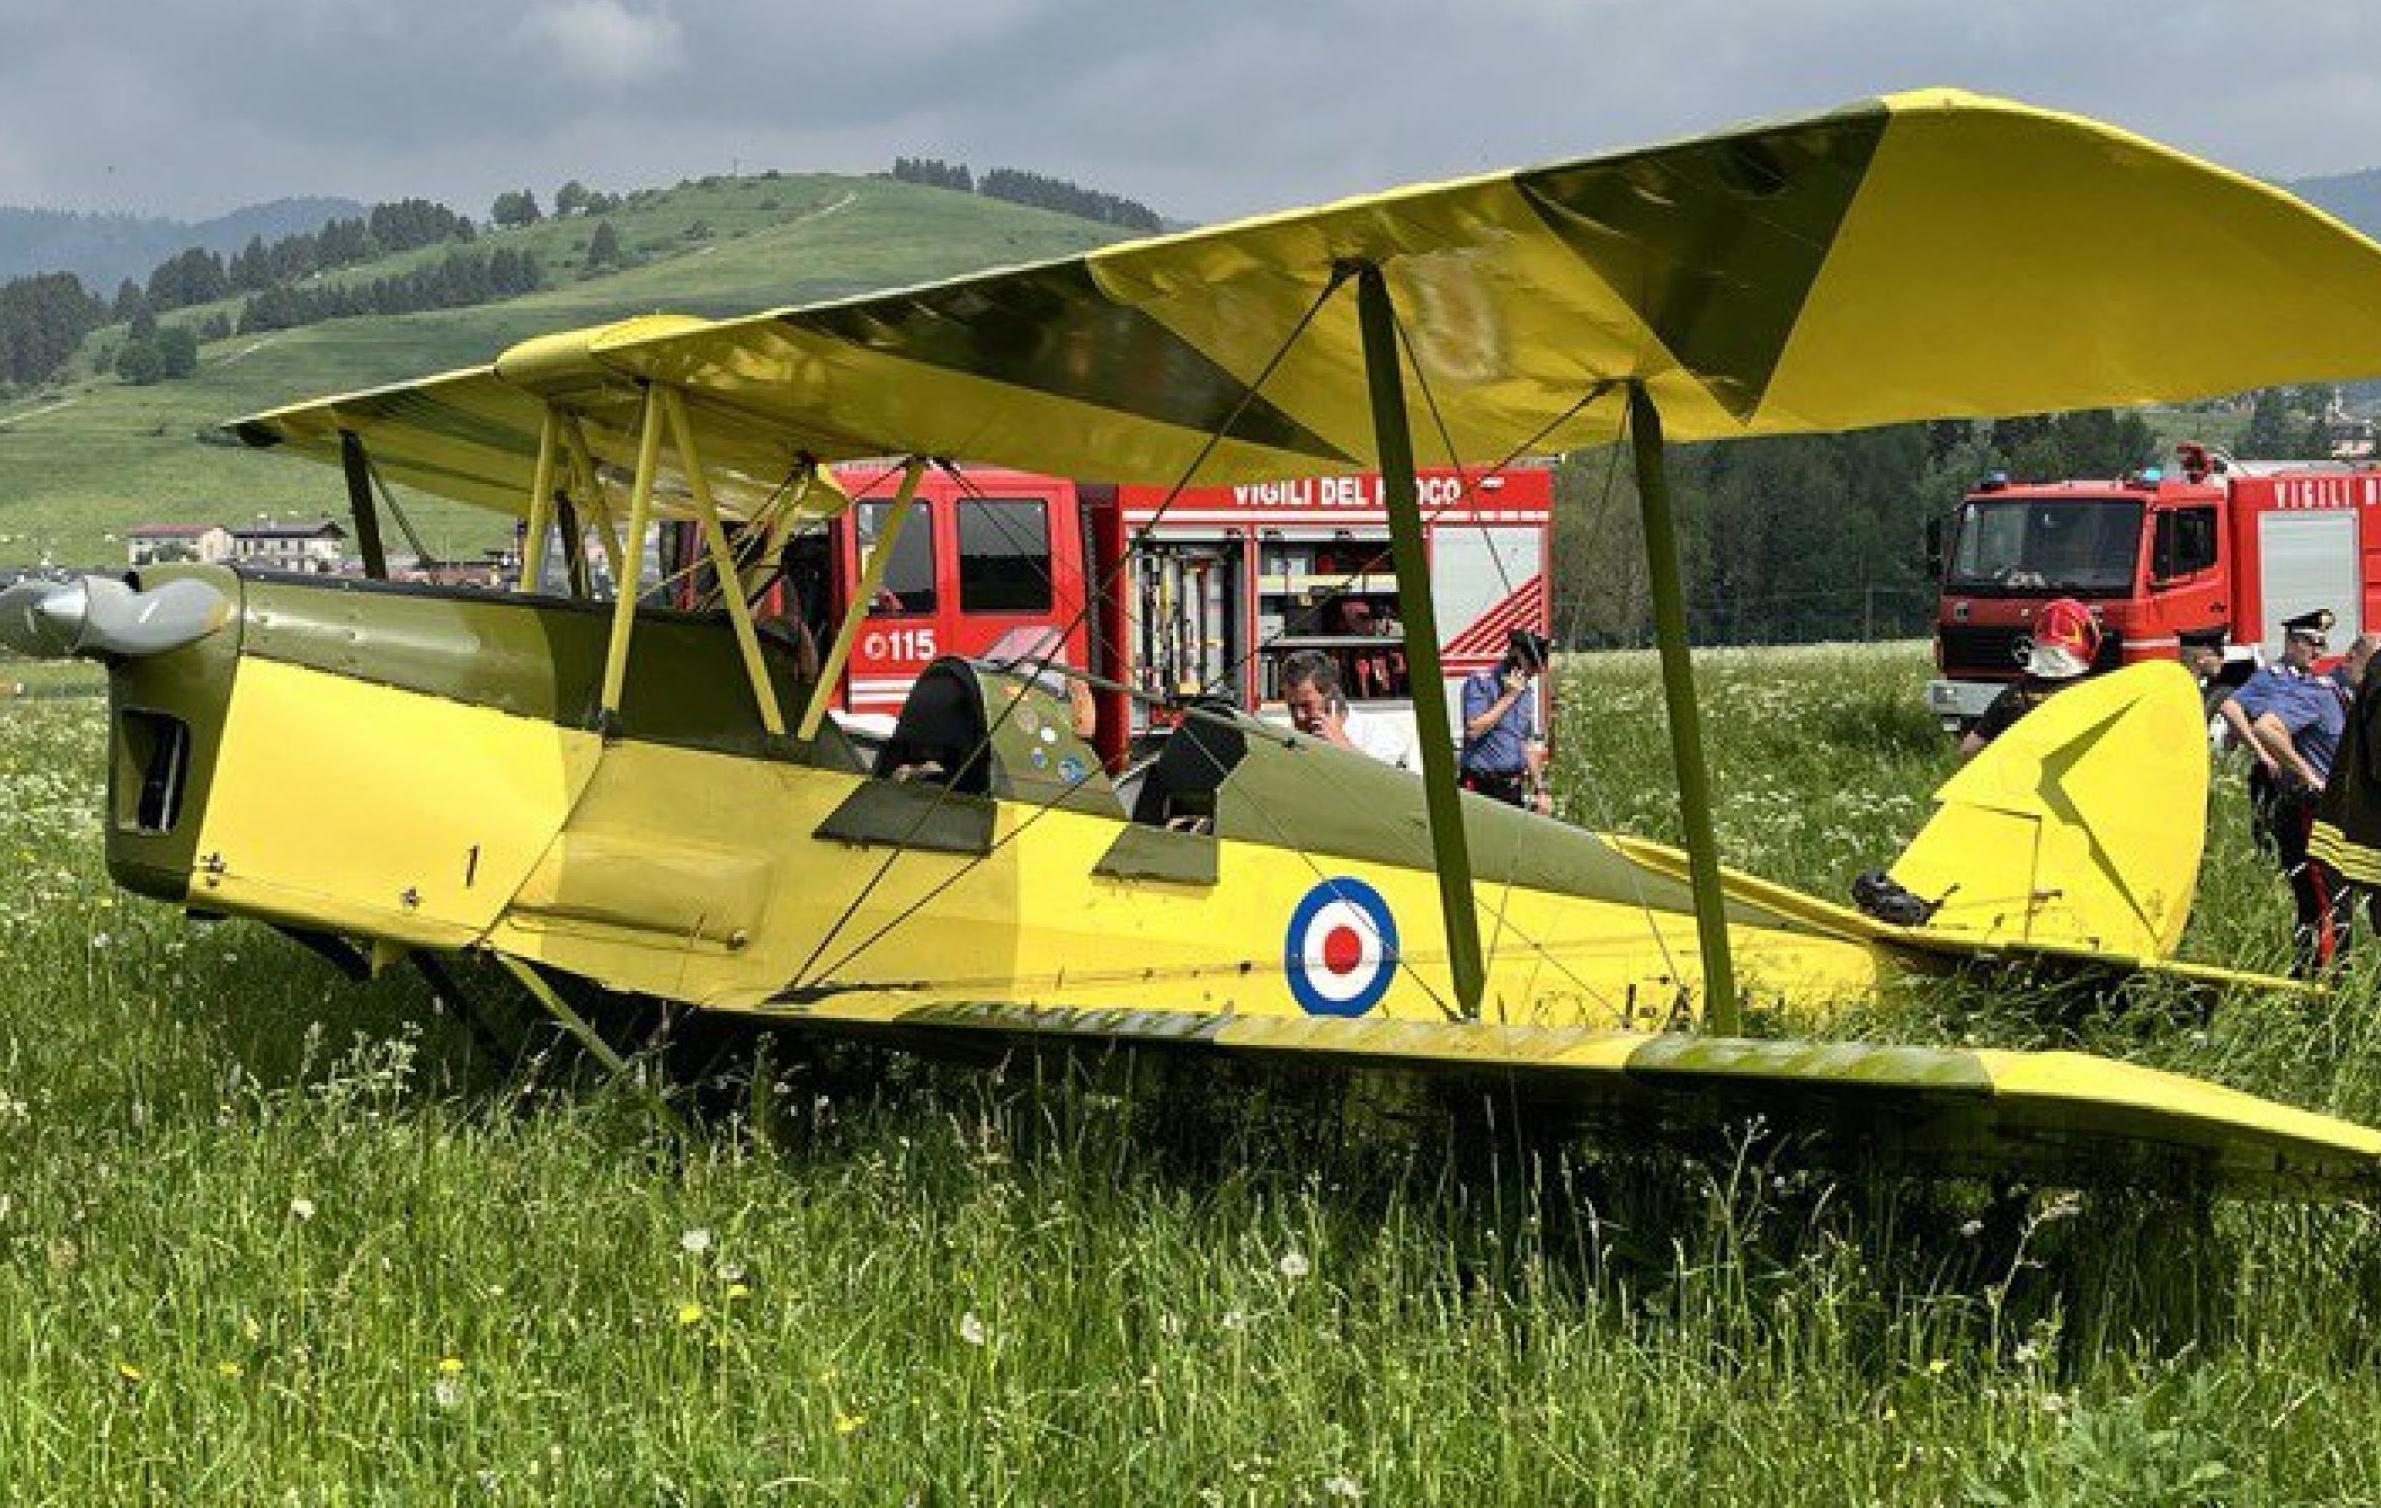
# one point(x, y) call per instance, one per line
point(1395, 442)
point(359, 502)
point(591, 485)
point(1686, 727)
point(872, 576)
point(628, 574)
point(723, 561)
point(541, 503)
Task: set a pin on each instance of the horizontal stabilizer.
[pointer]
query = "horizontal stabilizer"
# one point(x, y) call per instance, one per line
point(2051, 1117)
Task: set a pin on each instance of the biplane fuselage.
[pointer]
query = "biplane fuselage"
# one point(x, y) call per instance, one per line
point(416, 766)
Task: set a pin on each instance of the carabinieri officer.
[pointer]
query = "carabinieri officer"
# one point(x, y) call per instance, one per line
point(2278, 682)
point(2298, 728)
point(1501, 754)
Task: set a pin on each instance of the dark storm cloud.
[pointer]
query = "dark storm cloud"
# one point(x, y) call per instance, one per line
point(1203, 111)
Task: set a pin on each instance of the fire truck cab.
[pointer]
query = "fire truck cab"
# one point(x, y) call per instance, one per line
point(2214, 550)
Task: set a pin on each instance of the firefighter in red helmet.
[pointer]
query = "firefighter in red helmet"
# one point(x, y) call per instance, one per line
point(2066, 641)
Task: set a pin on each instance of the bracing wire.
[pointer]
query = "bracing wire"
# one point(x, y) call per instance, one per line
point(1057, 641)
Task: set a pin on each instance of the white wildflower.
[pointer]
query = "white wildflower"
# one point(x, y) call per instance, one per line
point(694, 1242)
point(971, 1328)
point(1293, 1265)
point(1343, 1487)
point(301, 1208)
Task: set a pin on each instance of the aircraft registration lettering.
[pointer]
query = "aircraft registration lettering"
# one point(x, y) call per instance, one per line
point(1341, 951)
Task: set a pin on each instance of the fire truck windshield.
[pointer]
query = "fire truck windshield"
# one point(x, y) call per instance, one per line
point(2031, 544)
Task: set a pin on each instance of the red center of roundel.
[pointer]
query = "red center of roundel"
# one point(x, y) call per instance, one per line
point(1343, 950)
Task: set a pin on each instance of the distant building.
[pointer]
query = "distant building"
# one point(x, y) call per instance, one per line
point(2351, 439)
point(318, 547)
point(157, 544)
point(485, 572)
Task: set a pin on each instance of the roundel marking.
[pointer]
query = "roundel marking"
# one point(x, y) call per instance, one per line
point(1340, 953)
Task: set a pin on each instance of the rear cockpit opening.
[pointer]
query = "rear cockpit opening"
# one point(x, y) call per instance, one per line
point(1178, 790)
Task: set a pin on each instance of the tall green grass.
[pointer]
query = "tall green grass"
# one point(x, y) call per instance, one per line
point(268, 1237)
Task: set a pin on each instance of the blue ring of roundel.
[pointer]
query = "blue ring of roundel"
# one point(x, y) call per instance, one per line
point(1303, 989)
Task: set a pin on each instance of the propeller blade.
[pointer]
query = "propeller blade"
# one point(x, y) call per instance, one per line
point(99, 615)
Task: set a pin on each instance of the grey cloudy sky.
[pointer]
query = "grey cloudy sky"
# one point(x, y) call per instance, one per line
point(1202, 110)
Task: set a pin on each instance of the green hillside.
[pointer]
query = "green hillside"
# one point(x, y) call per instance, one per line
point(89, 456)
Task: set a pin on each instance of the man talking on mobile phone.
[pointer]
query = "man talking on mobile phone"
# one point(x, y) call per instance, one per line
point(1310, 690)
point(1501, 753)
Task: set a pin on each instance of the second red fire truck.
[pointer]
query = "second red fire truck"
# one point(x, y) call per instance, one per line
point(2213, 550)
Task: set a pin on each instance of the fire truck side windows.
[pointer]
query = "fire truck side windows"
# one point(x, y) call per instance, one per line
point(1004, 555)
point(2185, 543)
point(908, 587)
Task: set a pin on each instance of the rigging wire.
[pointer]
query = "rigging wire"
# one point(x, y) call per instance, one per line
point(1463, 498)
point(1339, 275)
point(1504, 920)
point(1437, 999)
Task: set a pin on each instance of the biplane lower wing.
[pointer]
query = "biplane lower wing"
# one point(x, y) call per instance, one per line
point(2055, 1116)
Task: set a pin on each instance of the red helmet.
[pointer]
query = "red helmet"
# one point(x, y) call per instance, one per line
point(2066, 639)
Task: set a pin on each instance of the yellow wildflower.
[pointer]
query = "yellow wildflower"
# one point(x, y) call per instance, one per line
point(130, 1373)
point(690, 1314)
point(450, 1365)
point(848, 1423)
point(230, 1369)
point(739, 1291)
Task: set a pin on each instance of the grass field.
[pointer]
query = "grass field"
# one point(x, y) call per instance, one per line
point(268, 1237)
point(85, 459)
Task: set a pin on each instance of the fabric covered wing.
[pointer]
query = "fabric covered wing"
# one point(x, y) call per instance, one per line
point(1925, 255)
point(2052, 1115)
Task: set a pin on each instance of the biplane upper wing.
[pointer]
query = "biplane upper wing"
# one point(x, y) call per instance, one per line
point(1923, 255)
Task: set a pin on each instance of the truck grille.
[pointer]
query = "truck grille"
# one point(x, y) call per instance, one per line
point(1991, 653)
point(1980, 651)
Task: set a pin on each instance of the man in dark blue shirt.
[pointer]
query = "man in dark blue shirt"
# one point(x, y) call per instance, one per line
point(1501, 754)
point(2302, 644)
point(2296, 724)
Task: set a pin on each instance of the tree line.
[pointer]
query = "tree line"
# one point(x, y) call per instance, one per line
point(199, 276)
point(46, 317)
point(43, 319)
point(1036, 189)
point(1805, 537)
point(516, 207)
point(459, 279)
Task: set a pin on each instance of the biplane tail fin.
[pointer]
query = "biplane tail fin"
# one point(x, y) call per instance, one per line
point(2078, 828)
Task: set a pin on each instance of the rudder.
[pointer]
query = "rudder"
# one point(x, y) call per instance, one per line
point(2081, 826)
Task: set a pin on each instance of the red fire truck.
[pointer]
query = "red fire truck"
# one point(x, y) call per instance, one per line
point(2215, 550)
point(1221, 585)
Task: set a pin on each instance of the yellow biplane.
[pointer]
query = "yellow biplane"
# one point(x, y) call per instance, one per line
point(655, 802)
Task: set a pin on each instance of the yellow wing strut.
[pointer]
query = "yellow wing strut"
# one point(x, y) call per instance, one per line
point(872, 576)
point(723, 559)
point(631, 569)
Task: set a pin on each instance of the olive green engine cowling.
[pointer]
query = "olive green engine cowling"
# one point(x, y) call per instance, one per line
point(165, 726)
